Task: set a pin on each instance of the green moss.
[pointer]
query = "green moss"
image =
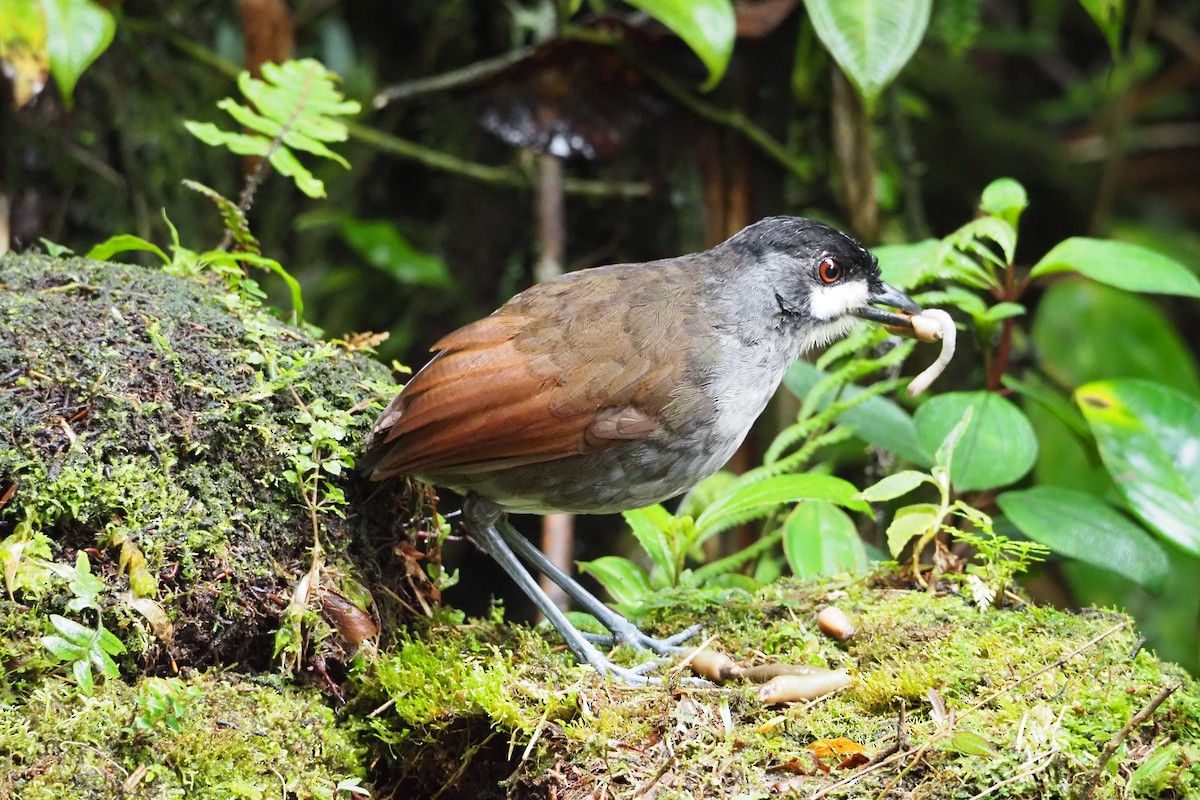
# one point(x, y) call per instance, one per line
point(241, 739)
point(159, 422)
point(468, 690)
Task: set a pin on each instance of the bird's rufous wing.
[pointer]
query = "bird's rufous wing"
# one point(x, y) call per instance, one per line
point(559, 370)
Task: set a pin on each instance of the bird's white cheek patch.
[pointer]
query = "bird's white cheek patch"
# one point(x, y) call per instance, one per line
point(832, 302)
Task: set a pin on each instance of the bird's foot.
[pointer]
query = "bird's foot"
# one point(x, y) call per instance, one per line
point(630, 634)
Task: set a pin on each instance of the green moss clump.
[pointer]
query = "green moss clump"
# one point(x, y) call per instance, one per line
point(239, 739)
point(166, 426)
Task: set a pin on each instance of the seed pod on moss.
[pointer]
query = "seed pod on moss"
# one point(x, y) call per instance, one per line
point(833, 622)
point(715, 665)
point(761, 673)
point(353, 624)
point(793, 688)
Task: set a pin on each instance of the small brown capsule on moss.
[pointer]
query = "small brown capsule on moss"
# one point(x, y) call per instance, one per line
point(833, 622)
point(793, 688)
point(715, 665)
point(353, 624)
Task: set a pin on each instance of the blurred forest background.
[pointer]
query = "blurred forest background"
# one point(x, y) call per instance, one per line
point(501, 142)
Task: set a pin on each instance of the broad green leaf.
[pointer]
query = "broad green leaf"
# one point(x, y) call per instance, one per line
point(705, 493)
point(620, 577)
point(708, 27)
point(877, 420)
point(893, 486)
point(1149, 438)
point(382, 246)
point(1004, 198)
point(1120, 264)
point(1085, 331)
point(909, 523)
point(997, 448)
point(1079, 525)
point(760, 498)
point(651, 526)
point(908, 265)
point(71, 630)
point(871, 40)
point(62, 649)
point(1110, 17)
point(821, 539)
point(124, 242)
point(971, 743)
point(78, 31)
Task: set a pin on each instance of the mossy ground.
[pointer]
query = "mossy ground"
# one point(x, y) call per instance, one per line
point(1042, 735)
point(150, 422)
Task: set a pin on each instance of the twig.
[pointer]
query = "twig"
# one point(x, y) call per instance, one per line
point(1115, 742)
point(500, 176)
point(735, 121)
point(449, 80)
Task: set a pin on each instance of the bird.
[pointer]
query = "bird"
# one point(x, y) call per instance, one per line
point(616, 387)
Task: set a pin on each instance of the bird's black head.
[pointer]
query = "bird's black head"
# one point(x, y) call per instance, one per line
point(819, 276)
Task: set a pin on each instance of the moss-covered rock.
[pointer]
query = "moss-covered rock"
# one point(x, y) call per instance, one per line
point(191, 444)
point(176, 502)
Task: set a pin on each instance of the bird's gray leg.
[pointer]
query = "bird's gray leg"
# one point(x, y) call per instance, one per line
point(480, 516)
point(622, 629)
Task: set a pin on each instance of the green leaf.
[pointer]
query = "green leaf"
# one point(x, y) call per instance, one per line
point(971, 743)
point(893, 486)
point(652, 526)
point(877, 420)
point(382, 246)
point(77, 32)
point(1154, 774)
point(708, 27)
point(624, 580)
point(909, 523)
point(1109, 15)
point(998, 446)
point(871, 40)
point(1085, 331)
point(908, 265)
point(241, 144)
point(1004, 198)
point(1149, 438)
point(1003, 311)
point(821, 539)
point(110, 643)
point(62, 649)
point(72, 631)
point(752, 500)
point(124, 242)
point(82, 670)
point(1081, 526)
point(1120, 264)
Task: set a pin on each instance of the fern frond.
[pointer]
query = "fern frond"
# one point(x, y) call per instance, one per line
point(294, 108)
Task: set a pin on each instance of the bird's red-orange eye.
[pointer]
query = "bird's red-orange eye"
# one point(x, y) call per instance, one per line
point(829, 270)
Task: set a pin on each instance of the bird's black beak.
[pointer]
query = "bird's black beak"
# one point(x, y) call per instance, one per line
point(889, 296)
